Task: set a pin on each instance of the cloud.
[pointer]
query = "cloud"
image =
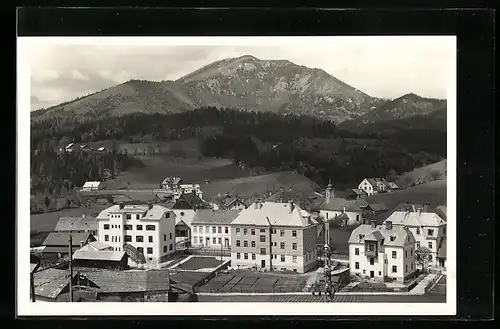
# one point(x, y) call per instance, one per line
point(380, 66)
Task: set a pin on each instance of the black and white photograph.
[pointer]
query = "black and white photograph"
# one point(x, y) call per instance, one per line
point(284, 175)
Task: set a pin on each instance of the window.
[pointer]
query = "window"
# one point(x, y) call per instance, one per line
point(274, 231)
point(128, 227)
point(262, 251)
point(444, 230)
point(128, 238)
point(394, 255)
point(106, 237)
point(294, 259)
point(207, 229)
point(214, 229)
point(237, 243)
point(112, 238)
point(238, 255)
point(392, 237)
point(253, 256)
point(379, 273)
point(150, 239)
point(371, 247)
point(195, 239)
point(214, 240)
point(262, 238)
point(245, 256)
point(139, 227)
point(394, 269)
point(411, 251)
point(170, 247)
point(237, 231)
point(167, 215)
point(262, 230)
point(219, 229)
point(372, 261)
point(282, 258)
point(150, 250)
point(106, 226)
point(364, 271)
point(129, 216)
point(418, 231)
point(411, 265)
point(282, 245)
point(164, 237)
point(226, 230)
point(245, 231)
point(170, 235)
point(140, 249)
point(201, 229)
point(294, 246)
point(165, 248)
point(356, 251)
point(418, 244)
point(294, 234)
point(406, 253)
point(282, 232)
point(245, 243)
point(430, 232)
point(139, 238)
point(195, 229)
point(430, 245)
point(150, 227)
point(182, 213)
point(406, 268)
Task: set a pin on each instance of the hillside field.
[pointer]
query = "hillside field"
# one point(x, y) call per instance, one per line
point(423, 173)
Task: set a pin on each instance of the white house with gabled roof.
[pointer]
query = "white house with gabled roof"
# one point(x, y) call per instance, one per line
point(372, 186)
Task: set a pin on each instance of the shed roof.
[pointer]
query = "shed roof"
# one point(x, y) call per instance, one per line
point(114, 256)
point(62, 239)
point(76, 224)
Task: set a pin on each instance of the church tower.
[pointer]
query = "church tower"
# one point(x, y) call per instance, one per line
point(329, 194)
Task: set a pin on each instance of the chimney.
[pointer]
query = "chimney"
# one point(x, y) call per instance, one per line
point(388, 225)
point(257, 204)
point(290, 206)
point(373, 223)
point(122, 205)
point(81, 244)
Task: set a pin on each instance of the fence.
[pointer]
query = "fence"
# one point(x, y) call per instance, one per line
point(431, 283)
point(208, 252)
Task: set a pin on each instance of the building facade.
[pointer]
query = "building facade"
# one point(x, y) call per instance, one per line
point(211, 228)
point(372, 186)
point(428, 228)
point(149, 228)
point(274, 236)
point(382, 252)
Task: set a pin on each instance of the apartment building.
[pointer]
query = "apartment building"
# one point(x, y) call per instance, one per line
point(149, 228)
point(274, 236)
point(210, 228)
point(428, 228)
point(382, 252)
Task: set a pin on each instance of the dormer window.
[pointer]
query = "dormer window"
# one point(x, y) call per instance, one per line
point(392, 237)
point(361, 236)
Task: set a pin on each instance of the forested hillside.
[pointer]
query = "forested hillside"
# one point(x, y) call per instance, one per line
point(318, 149)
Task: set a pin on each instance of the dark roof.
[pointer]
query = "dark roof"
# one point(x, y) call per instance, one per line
point(223, 217)
point(338, 204)
point(190, 201)
point(76, 224)
point(130, 281)
point(413, 207)
point(376, 207)
point(62, 239)
point(79, 296)
point(343, 216)
point(50, 282)
point(358, 191)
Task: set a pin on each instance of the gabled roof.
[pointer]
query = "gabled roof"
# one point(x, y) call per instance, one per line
point(278, 214)
point(413, 207)
point(76, 224)
point(70, 145)
point(171, 180)
point(190, 201)
point(207, 216)
point(115, 256)
point(376, 207)
point(358, 191)
point(416, 219)
point(375, 181)
point(441, 211)
point(374, 236)
point(401, 234)
point(34, 267)
point(102, 148)
point(154, 213)
point(62, 239)
point(92, 184)
point(393, 185)
point(338, 204)
point(343, 216)
point(130, 281)
point(50, 282)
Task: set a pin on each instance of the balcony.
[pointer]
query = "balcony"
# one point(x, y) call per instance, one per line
point(371, 253)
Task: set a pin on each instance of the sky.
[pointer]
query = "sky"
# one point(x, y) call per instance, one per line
point(62, 69)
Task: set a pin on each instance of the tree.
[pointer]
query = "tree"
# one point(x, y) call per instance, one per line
point(435, 175)
point(422, 255)
point(392, 175)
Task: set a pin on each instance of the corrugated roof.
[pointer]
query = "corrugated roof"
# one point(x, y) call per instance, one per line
point(338, 204)
point(76, 224)
point(130, 281)
point(400, 233)
point(207, 216)
point(278, 214)
point(62, 239)
point(416, 219)
point(99, 255)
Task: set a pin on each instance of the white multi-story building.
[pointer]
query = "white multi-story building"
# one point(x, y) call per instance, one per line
point(428, 228)
point(210, 228)
point(149, 228)
point(382, 252)
point(277, 236)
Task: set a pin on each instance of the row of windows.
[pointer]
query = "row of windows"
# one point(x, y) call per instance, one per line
point(262, 239)
point(130, 227)
point(138, 238)
point(170, 247)
point(252, 232)
point(393, 255)
point(282, 257)
point(114, 238)
point(215, 229)
point(207, 240)
point(137, 216)
point(394, 268)
point(429, 244)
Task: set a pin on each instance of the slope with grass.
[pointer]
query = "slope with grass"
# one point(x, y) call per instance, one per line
point(433, 171)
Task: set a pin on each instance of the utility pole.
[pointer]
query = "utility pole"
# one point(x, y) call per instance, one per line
point(70, 268)
point(32, 287)
point(329, 287)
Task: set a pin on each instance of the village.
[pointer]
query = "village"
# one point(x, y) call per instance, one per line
point(172, 243)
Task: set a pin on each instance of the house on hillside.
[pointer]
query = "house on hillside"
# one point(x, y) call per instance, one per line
point(391, 186)
point(185, 208)
point(381, 252)
point(373, 185)
point(93, 186)
point(428, 228)
point(188, 189)
point(227, 202)
point(148, 228)
point(171, 183)
point(357, 193)
point(56, 244)
point(211, 228)
point(77, 224)
point(274, 236)
point(299, 198)
point(103, 149)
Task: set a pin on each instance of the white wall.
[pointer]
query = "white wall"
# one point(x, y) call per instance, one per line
point(185, 215)
point(277, 262)
point(424, 241)
point(195, 233)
